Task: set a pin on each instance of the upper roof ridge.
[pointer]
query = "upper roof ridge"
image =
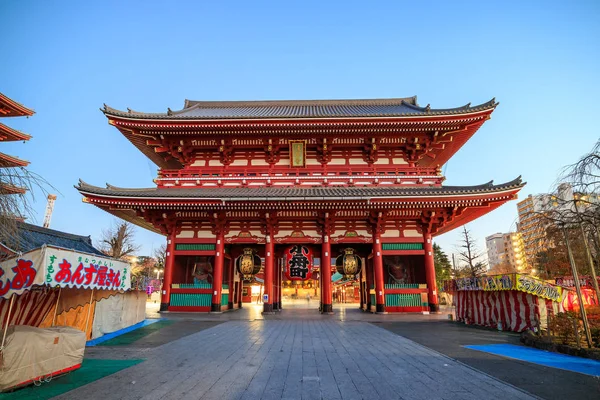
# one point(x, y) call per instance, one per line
point(283, 103)
point(298, 109)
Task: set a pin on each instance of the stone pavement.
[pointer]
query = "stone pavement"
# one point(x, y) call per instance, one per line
point(295, 358)
point(449, 338)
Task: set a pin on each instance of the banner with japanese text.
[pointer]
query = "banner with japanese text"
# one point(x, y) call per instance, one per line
point(55, 267)
point(538, 287)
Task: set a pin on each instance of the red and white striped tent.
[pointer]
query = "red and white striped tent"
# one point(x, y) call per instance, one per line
point(29, 282)
point(514, 302)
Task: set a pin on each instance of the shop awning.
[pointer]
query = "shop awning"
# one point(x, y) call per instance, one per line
point(56, 267)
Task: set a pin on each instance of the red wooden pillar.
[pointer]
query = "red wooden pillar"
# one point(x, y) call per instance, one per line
point(432, 296)
point(321, 297)
point(378, 272)
point(280, 280)
point(280, 274)
point(269, 256)
point(230, 283)
point(165, 298)
point(240, 293)
point(275, 284)
point(361, 286)
point(369, 284)
point(327, 303)
point(218, 273)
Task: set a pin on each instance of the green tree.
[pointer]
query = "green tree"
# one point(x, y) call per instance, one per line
point(442, 265)
point(144, 266)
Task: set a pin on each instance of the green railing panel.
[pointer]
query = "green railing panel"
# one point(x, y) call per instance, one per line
point(224, 299)
point(402, 246)
point(373, 300)
point(195, 246)
point(401, 285)
point(190, 299)
point(192, 285)
point(403, 300)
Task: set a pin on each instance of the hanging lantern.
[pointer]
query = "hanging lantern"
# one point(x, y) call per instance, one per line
point(348, 263)
point(248, 264)
point(298, 262)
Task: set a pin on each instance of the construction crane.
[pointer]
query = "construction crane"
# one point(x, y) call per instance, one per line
point(49, 209)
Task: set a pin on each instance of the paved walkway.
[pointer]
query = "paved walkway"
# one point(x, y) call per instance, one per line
point(295, 359)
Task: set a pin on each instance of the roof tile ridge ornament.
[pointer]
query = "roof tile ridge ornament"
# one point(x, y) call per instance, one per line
point(82, 184)
point(414, 107)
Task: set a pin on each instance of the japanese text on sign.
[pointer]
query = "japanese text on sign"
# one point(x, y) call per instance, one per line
point(299, 262)
point(24, 277)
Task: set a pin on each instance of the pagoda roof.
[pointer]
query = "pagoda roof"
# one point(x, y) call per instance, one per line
point(7, 161)
point(6, 188)
point(8, 134)
point(10, 108)
point(466, 202)
point(295, 193)
point(300, 109)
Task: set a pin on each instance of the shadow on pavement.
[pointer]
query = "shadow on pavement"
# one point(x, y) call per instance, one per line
point(449, 337)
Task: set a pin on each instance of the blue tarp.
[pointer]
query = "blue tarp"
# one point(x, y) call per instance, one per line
point(541, 357)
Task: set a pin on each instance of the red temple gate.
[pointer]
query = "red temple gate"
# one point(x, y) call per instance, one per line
point(326, 174)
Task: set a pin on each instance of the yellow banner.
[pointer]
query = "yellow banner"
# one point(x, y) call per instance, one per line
point(498, 282)
point(538, 287)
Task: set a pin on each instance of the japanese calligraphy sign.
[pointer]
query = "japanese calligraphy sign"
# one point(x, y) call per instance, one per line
point(519, 282)
point(17, 275)
point(498, 282)
point(299, 262)
point(297, 153)
point(67, 269)
point(62, 268)
point(538, 287)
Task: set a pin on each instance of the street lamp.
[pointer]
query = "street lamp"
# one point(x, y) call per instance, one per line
point(158, 271)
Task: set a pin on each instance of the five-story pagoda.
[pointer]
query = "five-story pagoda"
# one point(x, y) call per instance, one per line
point(300, 184)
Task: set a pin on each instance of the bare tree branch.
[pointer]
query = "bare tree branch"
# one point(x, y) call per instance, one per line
point(118, 241)
point(17, 194)
point(470, 255)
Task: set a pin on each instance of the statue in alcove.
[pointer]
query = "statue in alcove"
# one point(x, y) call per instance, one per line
point(203, 272)
point(397, 272)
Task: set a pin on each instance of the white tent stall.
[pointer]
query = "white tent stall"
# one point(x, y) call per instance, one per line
point(52, 300)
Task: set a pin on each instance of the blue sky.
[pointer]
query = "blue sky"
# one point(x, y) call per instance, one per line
point(65, 59)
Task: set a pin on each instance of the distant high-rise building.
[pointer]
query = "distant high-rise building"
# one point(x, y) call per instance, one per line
point(506, 249)
point(495, 249)
point(532, 224)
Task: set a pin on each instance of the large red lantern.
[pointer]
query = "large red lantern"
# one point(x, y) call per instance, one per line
point(298, 262)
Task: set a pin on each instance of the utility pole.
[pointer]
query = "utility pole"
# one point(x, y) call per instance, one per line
point(454, 266)
point(588, 253)
point(586, 326)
